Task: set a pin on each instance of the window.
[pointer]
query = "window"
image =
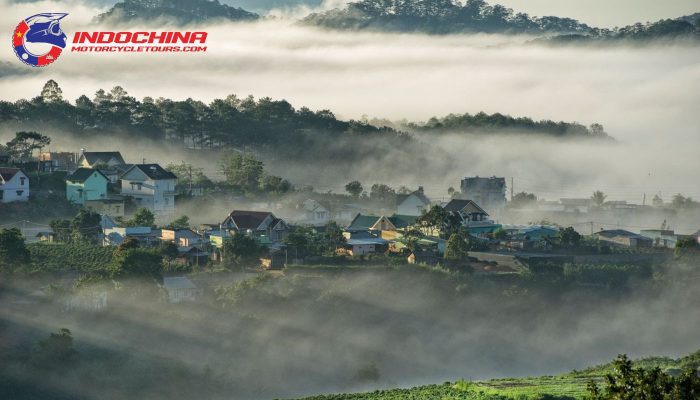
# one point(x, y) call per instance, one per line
point(2, 194)
point(167, 202)
point(21, 181)
point(19, 192)
point(136, 186)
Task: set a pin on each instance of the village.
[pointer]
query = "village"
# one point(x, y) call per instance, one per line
point(470, 231)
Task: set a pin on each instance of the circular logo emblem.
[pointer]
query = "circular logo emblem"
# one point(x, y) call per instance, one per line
point(39, 40)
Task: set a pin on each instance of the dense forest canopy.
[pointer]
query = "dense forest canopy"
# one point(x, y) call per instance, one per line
point(182, 11)
point(441, 16)
point(478, 16)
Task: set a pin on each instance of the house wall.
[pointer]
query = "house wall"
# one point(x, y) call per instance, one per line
point(113, 209)
point(412, 205)
point(157, 196)
point(16, 189)
point(362, 249)
point(94, 188)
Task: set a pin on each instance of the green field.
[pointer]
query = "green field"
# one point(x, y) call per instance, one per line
point(562, 387)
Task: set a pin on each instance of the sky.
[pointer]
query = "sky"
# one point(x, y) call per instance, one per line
point(606, 13)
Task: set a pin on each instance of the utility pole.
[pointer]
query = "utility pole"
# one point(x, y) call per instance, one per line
point(591, 227)
point(644, 200)
point(511, 188)
point(189, 170)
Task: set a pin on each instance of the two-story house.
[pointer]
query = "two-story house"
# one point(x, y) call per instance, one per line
point(471, 215)
point(86, 184)
point(151, 187)
point(14, 185)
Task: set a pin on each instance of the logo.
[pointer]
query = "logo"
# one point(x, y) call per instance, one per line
point(39, 40)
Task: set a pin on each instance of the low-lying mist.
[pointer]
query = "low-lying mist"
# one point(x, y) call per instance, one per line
point(314, 331)
point(641, 94)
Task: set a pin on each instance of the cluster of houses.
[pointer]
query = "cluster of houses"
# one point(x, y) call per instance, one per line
point(102, 181)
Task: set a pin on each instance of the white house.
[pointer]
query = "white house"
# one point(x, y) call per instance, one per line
point(90, 159)
point(412, 204)
point(14, 185)
point(314, 213)
point(151, 187)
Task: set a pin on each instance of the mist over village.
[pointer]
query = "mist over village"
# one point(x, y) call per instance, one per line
point(371, 199)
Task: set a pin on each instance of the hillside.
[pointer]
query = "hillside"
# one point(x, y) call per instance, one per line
point(685, 28)
point(568, 386)
point(180, 11)
point(441, 17)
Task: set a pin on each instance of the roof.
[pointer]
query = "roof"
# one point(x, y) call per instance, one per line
point(421, 196)
point(362, 222)
point(178, 282)
point(7, 173)
point(457, 205)
point(249, 219)
point(96, 157)
point(82, 174)
point(620, 233)
point(154, 171)
point(402, 221)
point(359, 242)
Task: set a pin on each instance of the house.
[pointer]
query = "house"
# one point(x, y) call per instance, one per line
point(314, 213)
point(412, 204)
point(91, 159)
point(50, 161)
point(348, 211)
point(14, 185)
point(180, 288)
point(192, 255)
point(661, 237)
point(576, 205)
point(183, 237)
point(256, 223)
point(115, 172)
point(117, 235)
point(46, 236)
point(620, 237)
point(381, 224)
point(427, 257)
point(472, 216)
point(362, 243)
point(530, 232)
point(86, 184)
point(489, 192)
point(151, 187)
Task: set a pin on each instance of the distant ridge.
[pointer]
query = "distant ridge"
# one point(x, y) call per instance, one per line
point(180, 11)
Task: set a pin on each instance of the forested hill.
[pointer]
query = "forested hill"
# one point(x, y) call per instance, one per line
point(478, 16)
point(236, 121)
point(500, 124)
point(441, 17)
point(180, 11)
point(684, 28)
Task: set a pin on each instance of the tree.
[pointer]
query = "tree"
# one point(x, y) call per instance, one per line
point(456, 248)
point(298, 242)
point(657, 201)
point(136, 263)
point(56, 351)
point(333, 237)
point(24, 143)
point(433, 219)
point(687, 247)
point(128, 244)
point(523, 199)
point(451, 192)
point(86, 225)
point(569, 237)
point(168, 250)
point(62, 229)
point(382, 193)
point(680, 202)
point(242, 171)
point(13, 250)
point(51, 92)
point(241, 250)
point(598, 198)
point(181, 223)
point(354, 188)
point(626, 382)
point(142, 217)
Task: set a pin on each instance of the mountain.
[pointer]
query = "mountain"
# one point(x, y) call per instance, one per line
point(181, 11)
point(440, 17)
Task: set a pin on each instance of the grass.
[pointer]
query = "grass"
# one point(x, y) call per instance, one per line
point(570, 386)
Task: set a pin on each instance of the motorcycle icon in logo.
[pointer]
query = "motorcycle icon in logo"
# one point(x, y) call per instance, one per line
point(39, 40)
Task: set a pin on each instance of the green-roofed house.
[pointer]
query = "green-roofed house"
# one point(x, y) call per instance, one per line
point(86, 184)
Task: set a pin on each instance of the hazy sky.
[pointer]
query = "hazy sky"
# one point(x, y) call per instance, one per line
point(606, 13)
